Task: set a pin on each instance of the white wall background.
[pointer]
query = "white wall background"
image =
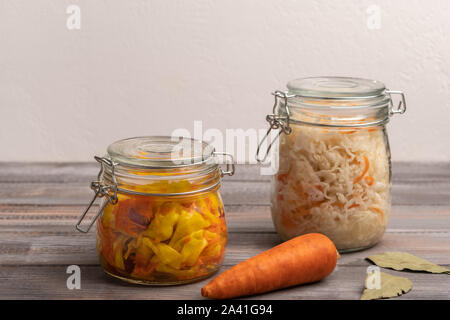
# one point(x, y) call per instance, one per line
point(149, 67)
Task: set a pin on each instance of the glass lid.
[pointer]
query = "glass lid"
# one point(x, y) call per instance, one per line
point(160, 152)
point(336, 87)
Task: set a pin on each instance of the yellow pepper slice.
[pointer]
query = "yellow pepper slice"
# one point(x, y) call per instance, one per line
point(192, 249)
point(213, 202)
point(183, 274)
point(204, 209)
point(118, 256)
point(188, 222)
point(132, 245)
point(161, 227)
point(118, 260)
point(166, 254)
point(179, 186)
point(212, 251)
point(108, 218)
point(142, 250)
point(165, 186)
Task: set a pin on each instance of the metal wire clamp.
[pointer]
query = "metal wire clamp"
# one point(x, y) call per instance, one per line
point(101, 190)
point(276, 121)
point(401, 108)
point(229, 165)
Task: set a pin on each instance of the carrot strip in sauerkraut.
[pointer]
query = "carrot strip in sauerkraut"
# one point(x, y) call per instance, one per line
point(347, 132)
point(366, 168)
point(377, 210)
point(370, 180)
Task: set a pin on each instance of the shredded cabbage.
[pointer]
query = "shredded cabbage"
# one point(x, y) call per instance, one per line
point(335, 182)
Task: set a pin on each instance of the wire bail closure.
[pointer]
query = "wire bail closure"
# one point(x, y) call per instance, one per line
point(229, 171)
point(401, 108)
point(276, 121)
point(101, 190)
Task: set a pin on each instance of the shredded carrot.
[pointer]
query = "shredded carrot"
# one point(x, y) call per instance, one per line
point(370, 180)
point(347, 132)
point(282, 177)
point(341, 205)
point(366, 162)
point(287, 221)
point(303, 210)
point(300, 192)
point(377, 210)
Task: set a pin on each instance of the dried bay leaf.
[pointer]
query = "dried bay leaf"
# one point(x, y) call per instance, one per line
point(391, 286)
point(403, 260)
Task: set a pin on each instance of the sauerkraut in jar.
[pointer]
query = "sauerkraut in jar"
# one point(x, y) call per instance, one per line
point(162, 219)
point(334, 166)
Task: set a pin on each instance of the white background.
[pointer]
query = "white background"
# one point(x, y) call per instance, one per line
point(149, 67)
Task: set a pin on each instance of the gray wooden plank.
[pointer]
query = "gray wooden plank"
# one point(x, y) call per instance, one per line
point(49, 282)
point(84, 172)
point(34, 258)
point(414, 184)
point(32, 172)
point(418, 172)
point(40, 235)
point(240, 218)
point(233, 192)
point(62, 244)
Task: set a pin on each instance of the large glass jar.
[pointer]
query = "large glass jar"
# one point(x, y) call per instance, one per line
point(161, 220)
point(333, 159)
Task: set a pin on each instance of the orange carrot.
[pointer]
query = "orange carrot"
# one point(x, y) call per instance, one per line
point(377, 210)
point(304, 259)
point(370, 180)
point(366, 168)
point(347, 132)
point(287, 221)
point(282, 177)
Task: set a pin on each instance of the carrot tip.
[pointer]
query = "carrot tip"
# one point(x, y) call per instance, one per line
point(206, 292)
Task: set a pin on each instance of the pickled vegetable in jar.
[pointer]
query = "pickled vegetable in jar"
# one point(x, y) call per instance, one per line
point(161, 220)
point(334, 161)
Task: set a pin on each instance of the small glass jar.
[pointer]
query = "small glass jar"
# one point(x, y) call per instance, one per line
point(333, 160)
point(161, 219)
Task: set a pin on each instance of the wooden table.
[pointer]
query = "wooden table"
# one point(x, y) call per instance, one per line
point(40, 204)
